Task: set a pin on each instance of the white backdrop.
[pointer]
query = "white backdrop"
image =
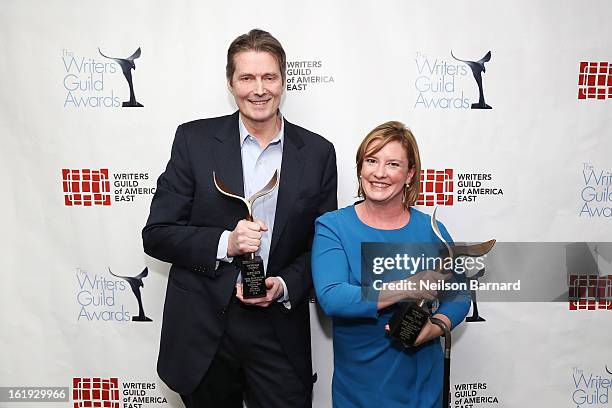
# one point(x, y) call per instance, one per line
point(545, 148)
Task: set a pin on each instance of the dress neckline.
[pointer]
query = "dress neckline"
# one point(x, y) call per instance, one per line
point(354, 213)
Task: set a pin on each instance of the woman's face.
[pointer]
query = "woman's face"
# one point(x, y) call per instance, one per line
point(385, 173)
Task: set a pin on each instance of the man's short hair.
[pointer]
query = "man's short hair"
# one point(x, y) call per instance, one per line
point(255, 40)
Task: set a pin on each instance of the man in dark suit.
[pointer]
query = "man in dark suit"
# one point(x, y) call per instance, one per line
point(217, 347)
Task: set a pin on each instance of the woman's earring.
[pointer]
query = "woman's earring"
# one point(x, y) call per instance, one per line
point(360, 187)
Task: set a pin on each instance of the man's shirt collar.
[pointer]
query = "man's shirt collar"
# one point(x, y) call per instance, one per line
point(244, 133)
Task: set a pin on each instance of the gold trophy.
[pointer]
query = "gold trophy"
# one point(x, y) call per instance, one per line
point(406, 323)
point(251, 266)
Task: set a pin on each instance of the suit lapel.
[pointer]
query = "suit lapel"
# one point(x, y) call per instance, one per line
point(228, 167)
point(291, 172)
point(228, 159)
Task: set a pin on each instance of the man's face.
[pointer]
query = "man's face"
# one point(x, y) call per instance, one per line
point(257, 86)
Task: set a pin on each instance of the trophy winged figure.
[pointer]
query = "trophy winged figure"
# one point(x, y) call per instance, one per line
point(136, 283)
point(478, 68)
point(127, 65)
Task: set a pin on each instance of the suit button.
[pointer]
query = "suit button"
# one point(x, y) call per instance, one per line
point(222, 312)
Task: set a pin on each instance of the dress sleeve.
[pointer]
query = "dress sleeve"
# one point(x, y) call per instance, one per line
point(331, 271)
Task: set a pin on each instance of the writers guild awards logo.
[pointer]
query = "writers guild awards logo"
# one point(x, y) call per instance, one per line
point(92, 187)
point(445, 187)
point(437, 187)
point(590, 389)
point(127, 65)
point(86, 187)
point(589, 271)
point(136, 283)
point(115, 393)
point(478, 68)
point(595, 80)
point(92, 392)
point(596, 192)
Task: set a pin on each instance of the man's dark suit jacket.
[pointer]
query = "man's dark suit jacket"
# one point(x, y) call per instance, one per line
point(187, 218)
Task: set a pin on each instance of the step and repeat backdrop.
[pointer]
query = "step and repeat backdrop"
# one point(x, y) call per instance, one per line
point(510, 101)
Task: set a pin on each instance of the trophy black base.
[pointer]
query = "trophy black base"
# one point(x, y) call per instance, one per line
point(129, 104)
point(141, 319)
point(480, 106)
point(406, 324)
point(253, 278)
point(474, 319)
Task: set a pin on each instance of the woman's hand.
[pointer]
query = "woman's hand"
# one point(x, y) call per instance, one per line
point(431, 331)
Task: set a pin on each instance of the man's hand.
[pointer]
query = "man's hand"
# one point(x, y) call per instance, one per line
point(274, 291)
point(245, 238)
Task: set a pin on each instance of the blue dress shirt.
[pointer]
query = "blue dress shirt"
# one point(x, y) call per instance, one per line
point(258, 167)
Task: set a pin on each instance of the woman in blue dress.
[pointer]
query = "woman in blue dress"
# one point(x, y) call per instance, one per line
point(370, 367)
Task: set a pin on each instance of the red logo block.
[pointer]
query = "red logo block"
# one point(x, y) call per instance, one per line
point(590, 292)
point(436, 187)
point(95, 392)
point(86, 187)
point(595, 80)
